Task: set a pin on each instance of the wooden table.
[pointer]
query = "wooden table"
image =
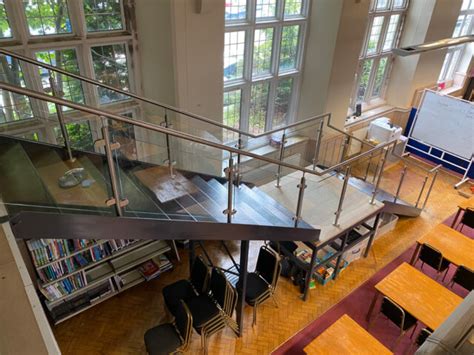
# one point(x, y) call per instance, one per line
point(418, 294)
point(345, 336)
point(469, 203)
point(455, 247)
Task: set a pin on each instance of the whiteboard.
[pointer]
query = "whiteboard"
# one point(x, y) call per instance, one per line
point(447, 123)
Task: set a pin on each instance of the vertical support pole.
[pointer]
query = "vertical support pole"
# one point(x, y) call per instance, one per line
point(299, 203)
point(309, 273)
point(368, 167)
point(435, 175)
point(347, 175)
point(244, 258)
point(230, 185)
point(339, 258)
point(421, 191)
point(168, 146)
point(317, 148)
point(192, 255)
point(59, 112)
point(112, 172)
point(239, 146)
point(380, 173)
point(345, 145)
point(402, 177)
point(282, 151)
point(372, 235)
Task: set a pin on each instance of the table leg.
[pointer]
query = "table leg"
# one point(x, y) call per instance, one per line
point(415, 253)
point(456, 217)
point(372, 305)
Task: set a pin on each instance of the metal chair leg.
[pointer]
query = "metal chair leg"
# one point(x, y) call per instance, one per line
point(274, 300)
point(254, 321)
point(446, 273)
point(413, 332)
point(398, 340)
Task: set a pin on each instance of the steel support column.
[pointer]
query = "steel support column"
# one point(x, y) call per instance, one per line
point(242, 289)
point(372, 235)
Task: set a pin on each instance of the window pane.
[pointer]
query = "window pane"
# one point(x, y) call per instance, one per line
point(47, 17)
point(235, 10)
point(465, 5)
point(70, 88)
point(265, 8)
point(364, 79)
point(459, 25)
point(282, 102)
point(391, 32)
point(231, 113)
point(289, 47)
point(293, 7)
point(234, 49)
point(79, 134)
point(381, 4)
point(379, 77)
point(258, 107)
point(399, 4)
point(103, 15)
point(5, 30)
point(375, 34)
point(466, 25)
point(13, 107)
point(453, 64)
point(110, 67)
point(262, 51)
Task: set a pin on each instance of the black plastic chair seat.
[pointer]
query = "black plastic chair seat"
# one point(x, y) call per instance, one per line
point(179, 290)
point(256, 286)
point(162, 339)
point(203, 310)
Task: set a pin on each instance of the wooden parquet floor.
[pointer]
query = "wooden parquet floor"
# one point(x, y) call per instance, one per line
point(117, 325)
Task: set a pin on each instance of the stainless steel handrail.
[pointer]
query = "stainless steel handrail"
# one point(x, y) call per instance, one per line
point(154, 102)
point(182, 135)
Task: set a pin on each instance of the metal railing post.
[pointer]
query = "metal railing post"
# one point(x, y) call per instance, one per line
point(282, 151)
point(343, 194)
point(368, 167)
point(113, 175)
point(345, 145)
point(429, 189)
point(59, 112)
point(317, 147)
point(239, 157)
point(421, 191)
point(299, 203)
point(229, 171)
point(402, 177)
point(380, 173)
point(168, 146)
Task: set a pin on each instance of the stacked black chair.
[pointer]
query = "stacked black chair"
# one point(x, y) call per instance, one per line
point(464, 277)
point(187, 289)
point(396, 315)
point(433, 257)
point(261, 284)
point(213, 311)
point(173, 337)
point(467, 219)
point(422, 336)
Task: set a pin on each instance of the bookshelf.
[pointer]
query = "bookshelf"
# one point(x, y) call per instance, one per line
point(76, 274)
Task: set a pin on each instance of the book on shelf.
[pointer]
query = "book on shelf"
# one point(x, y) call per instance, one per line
point(64, 287)
point(44, 251)
point(149, 270)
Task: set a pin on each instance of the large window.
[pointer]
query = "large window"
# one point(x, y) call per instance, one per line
point(383, 33)
point(86, 37)
point(464, 26)
point(263, 47)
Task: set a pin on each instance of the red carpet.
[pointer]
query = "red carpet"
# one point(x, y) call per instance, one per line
point(356, 305)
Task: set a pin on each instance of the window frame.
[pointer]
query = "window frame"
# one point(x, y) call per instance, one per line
point(245, 84)
point(369, 99)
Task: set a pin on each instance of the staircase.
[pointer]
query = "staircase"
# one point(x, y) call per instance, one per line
point(29, 174)
point(391, 205)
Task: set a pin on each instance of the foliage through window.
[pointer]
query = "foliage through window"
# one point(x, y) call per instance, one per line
point(80, 135)
point(262, 56)
point(68, 87)
point(383, 34)
point(5, 30)
point(47, 17)
point(111, 68)
point(103, 15)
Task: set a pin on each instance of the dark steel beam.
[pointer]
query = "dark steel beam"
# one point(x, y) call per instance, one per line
point(242, 284)
point(37, 225)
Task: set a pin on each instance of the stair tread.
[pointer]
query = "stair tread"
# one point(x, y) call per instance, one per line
point(240, 206)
